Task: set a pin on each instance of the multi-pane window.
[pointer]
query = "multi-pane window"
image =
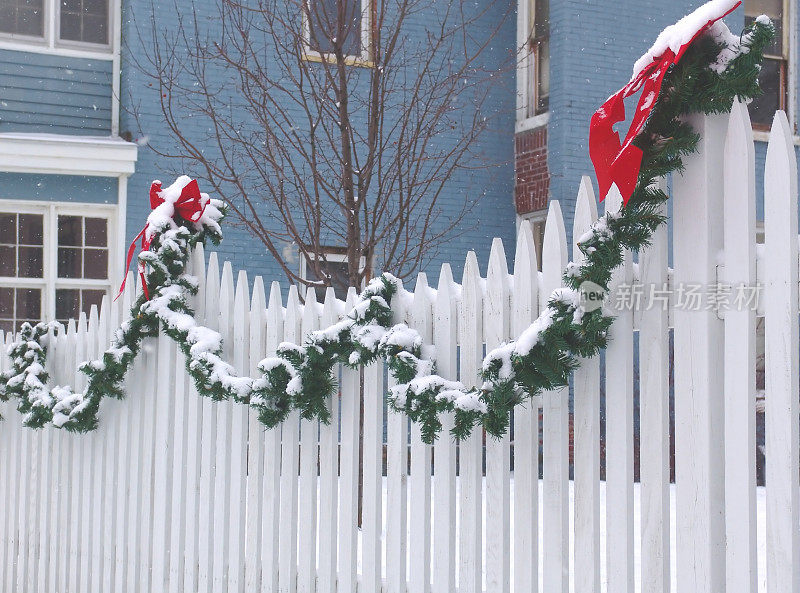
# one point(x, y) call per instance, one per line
point(22, 17)
point(537, 93)
point(333, 24)
point(775, 69)
point(334, 271)
point(75, 21)
point(84, 21)
point(54, 263)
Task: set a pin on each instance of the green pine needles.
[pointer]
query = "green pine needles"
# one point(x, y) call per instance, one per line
point(717, 69)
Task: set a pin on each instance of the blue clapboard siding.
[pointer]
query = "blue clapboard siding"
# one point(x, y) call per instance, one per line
point(54, 94)
point(58, 188)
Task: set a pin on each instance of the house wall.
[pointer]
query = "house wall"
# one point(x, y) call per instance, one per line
point(54, 94)
point(490, 188)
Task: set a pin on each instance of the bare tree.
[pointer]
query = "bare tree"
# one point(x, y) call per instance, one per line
point(331, 122)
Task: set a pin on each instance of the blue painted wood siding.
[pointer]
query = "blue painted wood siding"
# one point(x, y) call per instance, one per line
point(54, 94)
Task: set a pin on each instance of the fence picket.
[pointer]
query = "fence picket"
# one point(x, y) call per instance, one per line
point(740, 356)
point(555, 427)
point(654, 457)
point(420, 486)
point(272, 500)
point(290, 465)
point(781, 342)
point(619, 426)
point(699, 457)
point(208, 444)
point(309, 455)
point(524, 309)
point(348, 473)
point(470, 570)
point(586, 430)
point(77, 341)
point(396, 485)
point(498, 450)
point(256, 498)
point(445, 338)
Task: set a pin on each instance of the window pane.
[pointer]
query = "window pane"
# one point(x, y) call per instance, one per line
point(68, 302)
point(29, 304)
point(543, 94)
point(335, 22)
point(763, 108)
point(94, 29)
point(775, 48)
point(8, 261)
point(6, 302)
point(70, 230)
point(69, 263)
point(84, 20)
point(91, 297)
point(95, 263)
point(8, 228)
point(22, 17)
point(30, 229)
point(30, 262)
point(96, 232)
point(338, 278)
point(7, 325)
point(70, 5)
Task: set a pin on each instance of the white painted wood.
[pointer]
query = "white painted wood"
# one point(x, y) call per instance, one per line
point(372, 511)
point(586, 433)
point(184, 425)
point(445, 338)
point(420, 481)
point(76, 458)
point(470, 569)
point(700, 485)
point(64, 353)
point(290, 466)
point(257, 500)
point(237, 356)
point(740, 356)
point(555, 428)
point(619, 425)
point(224, 412)
point(309, 451)
point(781, 349)
point(348, 473)
point(396, 484)
point(524, 309)
point(272, 498)
point(654, 456)
point(329, 472)
point(496, 324)
point(208, 444)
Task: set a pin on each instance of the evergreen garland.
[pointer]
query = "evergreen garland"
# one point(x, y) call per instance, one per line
point(714, 71)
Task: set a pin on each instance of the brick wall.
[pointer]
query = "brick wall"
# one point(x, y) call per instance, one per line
point(532, 184)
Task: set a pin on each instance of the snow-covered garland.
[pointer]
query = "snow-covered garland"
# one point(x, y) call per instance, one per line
point(716, 69)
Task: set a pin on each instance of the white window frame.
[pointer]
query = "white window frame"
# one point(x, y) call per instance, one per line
point(50, 281)
point(365, 59)
point(50, 43)
point(790, 41)
point(535, 218)
point(523, 68)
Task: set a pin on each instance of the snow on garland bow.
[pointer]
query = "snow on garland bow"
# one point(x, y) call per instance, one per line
point(707, 72)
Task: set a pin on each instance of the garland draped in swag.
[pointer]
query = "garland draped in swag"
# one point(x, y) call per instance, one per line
point(301, 377)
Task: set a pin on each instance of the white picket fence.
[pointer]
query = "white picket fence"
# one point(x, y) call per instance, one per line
point(177, 493)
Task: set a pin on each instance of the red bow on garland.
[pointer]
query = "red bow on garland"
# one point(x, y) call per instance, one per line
point(189, 205)
point(619, 163)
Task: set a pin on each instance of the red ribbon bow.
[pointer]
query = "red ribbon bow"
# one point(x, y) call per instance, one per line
point(619, 163)
point(190, 205)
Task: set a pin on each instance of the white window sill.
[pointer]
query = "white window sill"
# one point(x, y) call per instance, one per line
point(71, 51)
point(531, 123)
point(763, 136)
point(103, 156)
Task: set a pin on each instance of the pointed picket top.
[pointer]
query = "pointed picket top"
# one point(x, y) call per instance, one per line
point(554, 251)
point(525, 296)
point(330, 308)
point(224, 308)
point(92, 333)
point(471, 299)
point(310, 312)
point(241, 323)
point(211, 308)
point(128, 295)
point(739, 187)
point(781, 166)
point(445, 292)
point(103, 324)
point(350, 300)
point(258, 301)
point(293, 316)
point(274, 319)
point(197, 268)
point(497, 295)
point(585, 216)
point(422, 309)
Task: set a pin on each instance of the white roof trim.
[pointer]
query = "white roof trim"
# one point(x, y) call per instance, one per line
point(104, 156)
